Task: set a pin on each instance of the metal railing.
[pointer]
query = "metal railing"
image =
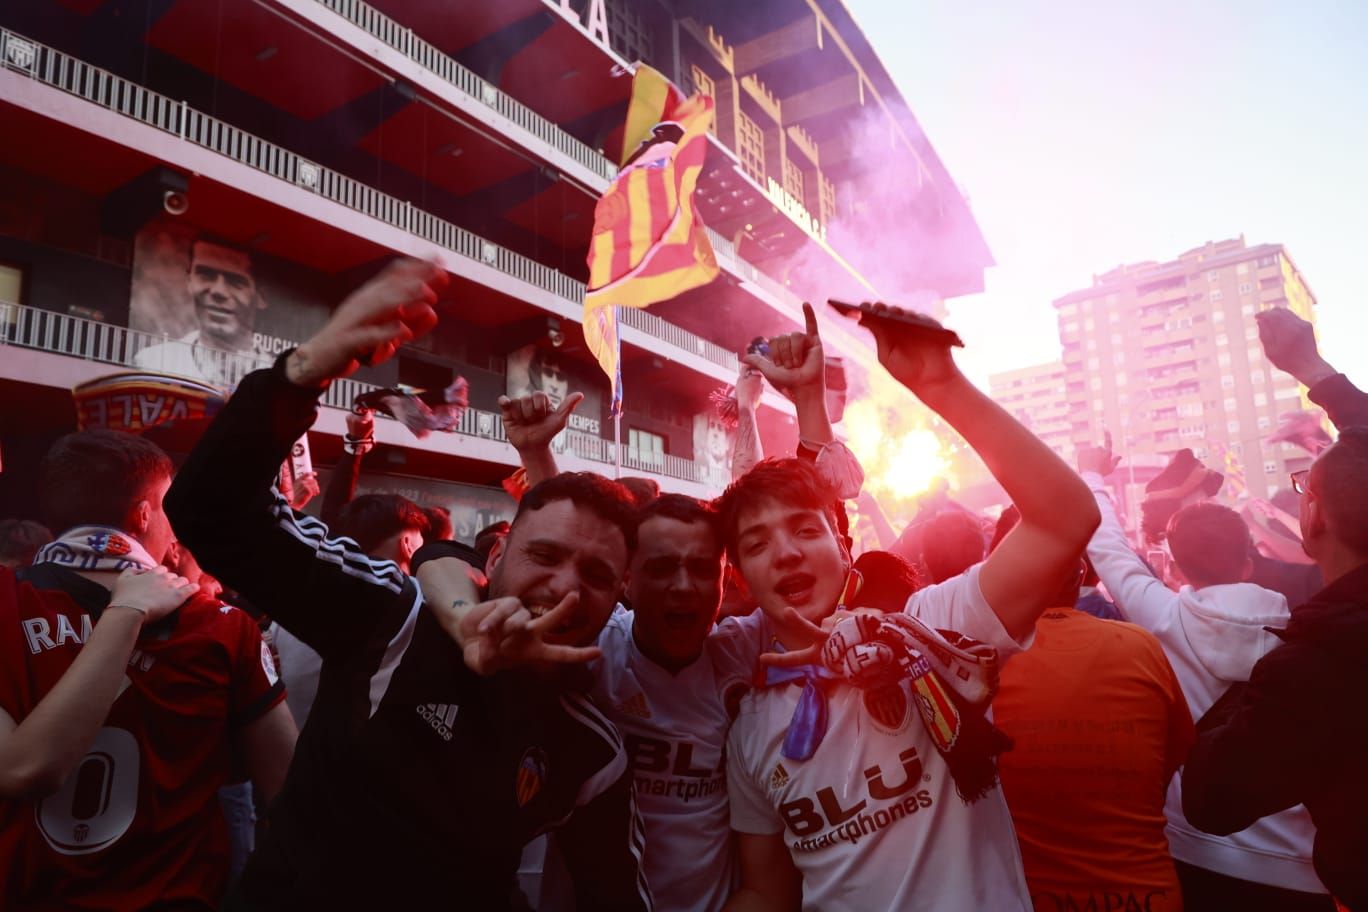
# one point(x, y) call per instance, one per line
point(92, 340)
point(64, 72)
point(403, 40)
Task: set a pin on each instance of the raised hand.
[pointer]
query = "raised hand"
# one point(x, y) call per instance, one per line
point(917, 359)
point(1290, 343)
point(501, 634)
point(750, 383)
point(371, 324)
point(156, 592)
point(530, 422)
point(795, 361)
point(1098, 459)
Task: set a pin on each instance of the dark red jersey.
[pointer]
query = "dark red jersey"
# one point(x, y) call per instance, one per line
point(137, 823)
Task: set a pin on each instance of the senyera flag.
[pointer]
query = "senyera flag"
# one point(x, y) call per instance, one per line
point(141, 400)
point(648, 243)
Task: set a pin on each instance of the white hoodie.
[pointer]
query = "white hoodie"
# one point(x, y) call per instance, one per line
point(1212, 637)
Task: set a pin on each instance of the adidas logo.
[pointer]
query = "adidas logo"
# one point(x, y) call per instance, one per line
point(779, 778)
point(635, 706)
point(440, 716)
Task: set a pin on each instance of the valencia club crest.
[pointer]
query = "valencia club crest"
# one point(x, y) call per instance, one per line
point(532, 771)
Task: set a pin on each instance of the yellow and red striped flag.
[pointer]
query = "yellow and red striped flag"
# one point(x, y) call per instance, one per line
point(648, 243)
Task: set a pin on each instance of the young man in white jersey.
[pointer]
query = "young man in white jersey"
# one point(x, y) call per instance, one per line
point(850, 799)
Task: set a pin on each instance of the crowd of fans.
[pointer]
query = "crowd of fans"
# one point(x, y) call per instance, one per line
point(624, 699)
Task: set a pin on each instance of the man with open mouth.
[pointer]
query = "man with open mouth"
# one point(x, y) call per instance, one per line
point(863, 775)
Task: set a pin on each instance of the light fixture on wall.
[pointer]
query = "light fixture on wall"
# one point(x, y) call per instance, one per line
point(175, 202)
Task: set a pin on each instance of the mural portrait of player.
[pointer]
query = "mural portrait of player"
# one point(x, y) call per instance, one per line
point(534, 368)
point(712, 441)
point(215, 310)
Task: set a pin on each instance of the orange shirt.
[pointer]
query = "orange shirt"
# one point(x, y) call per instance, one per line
point(1100, 725)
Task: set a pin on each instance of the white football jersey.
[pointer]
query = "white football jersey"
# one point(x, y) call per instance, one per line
point(675, 729)
point(872, 820)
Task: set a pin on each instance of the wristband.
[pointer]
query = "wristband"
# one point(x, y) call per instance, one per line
point(142, 611)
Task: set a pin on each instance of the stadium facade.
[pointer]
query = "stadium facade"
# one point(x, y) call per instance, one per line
point(278, 151)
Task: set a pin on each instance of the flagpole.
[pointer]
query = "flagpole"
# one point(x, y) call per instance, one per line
point(617, 411)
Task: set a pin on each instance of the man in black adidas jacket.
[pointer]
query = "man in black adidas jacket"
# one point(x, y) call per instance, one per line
point(415, 781)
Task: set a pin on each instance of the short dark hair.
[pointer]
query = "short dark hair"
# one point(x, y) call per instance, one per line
point(951, 543)
point(1340, 479)
point(1210, 543)
point(439, 523)
point(889, 581)
point(371, 518)
point(486, 537)
point(20, 540)
point(212, 240)
point(603, 497)
point(685, 509)
point(540, 360)
point(791, 481)
point(643, 490)
point(97, 477)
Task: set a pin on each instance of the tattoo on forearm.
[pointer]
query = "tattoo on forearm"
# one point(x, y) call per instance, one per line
point(748, 449)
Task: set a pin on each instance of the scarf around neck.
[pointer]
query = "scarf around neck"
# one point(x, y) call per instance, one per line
point(95, 548)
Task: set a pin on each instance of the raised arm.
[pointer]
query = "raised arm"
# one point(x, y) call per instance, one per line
point(38, 752)
point(796, 366)
point(223, 504)
point(750, 383)
point(1058, 514)
point(1290, 343)
point(1140, 596)
point(530, 424)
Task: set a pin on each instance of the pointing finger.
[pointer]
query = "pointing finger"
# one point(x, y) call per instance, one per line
point(810, 318)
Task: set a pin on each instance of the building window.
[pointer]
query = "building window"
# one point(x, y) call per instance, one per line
point(1270, 466)
point(1242, 269)
point(1121, 379)
point(1246, 288)
point(1233, 426)
point(1093, 364)
point(1268, 260)
point(1260, 399)
point(1214, 275)
point(645, 447)
point(828, 198)
point(1265, 423)
point(750, 146)
point(793, 180)
point(1230, 405)
point(1216, 294)
point(1247, 309)
point(1218, 316)
point(1227, 382)
point(1252, 332)
point(630, 34)
point(1095, 383)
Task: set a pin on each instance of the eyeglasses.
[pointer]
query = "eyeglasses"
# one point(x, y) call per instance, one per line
point(1299, 481)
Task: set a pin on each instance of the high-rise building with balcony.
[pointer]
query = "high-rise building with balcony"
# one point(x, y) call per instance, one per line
point(283, 149)
point(1167, 356)
point(1035, 397)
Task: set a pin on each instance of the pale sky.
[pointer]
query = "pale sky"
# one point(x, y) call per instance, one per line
point(1088, 134)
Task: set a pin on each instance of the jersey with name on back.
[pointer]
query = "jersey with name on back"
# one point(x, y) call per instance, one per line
point(872, 820)
point(137, 820)
point(675, 729)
